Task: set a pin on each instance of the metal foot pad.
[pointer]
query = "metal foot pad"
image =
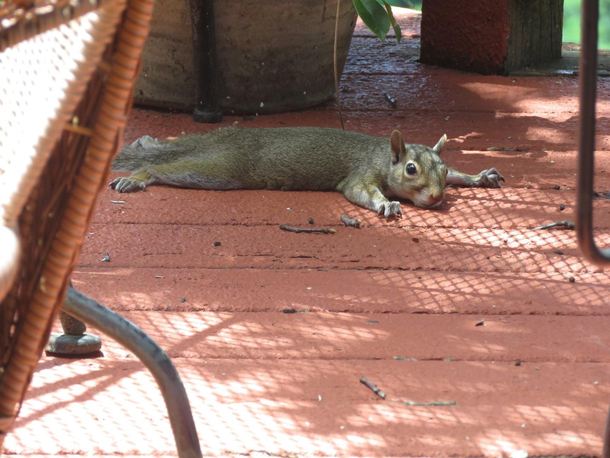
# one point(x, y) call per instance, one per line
point(207, 116)
point(64, 344)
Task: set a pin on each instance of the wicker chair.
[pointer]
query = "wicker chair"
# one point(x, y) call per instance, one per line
point(68, 68)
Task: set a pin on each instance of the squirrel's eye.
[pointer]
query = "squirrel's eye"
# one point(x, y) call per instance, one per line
point(411, 169)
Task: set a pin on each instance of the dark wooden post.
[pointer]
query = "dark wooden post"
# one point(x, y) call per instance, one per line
point(204, 47)
point(491, 37)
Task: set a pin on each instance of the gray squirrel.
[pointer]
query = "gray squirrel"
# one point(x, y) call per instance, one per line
point(368, 170)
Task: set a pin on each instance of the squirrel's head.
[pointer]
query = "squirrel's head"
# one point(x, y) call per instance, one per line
point(417, 173)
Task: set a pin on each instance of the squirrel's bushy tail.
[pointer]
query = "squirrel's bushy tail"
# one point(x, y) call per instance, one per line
point(144, 151)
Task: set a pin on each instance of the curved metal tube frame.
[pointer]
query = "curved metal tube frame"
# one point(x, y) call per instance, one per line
point(586, 150)
point(152, 356)
point(586, 134)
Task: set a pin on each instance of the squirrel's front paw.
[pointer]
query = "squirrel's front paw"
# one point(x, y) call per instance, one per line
point(388, 209)
point(145, 142)
point(490, 179)
point(126, 184)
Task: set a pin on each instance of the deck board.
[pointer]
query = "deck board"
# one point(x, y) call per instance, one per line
point(245, 405)
point(264, 382)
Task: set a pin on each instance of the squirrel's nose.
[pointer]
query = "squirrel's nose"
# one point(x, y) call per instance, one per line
point(438, 195)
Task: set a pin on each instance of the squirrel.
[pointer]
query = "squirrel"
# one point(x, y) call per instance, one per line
point(367, 169)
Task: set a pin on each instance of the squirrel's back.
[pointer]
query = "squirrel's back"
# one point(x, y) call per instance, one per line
point(274, 158)
point(366, 169)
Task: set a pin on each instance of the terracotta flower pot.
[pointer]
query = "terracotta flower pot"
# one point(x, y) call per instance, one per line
point(273, 56)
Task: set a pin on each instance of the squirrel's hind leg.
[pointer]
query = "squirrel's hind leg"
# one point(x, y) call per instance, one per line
point(371, 197)
point(198, 174)
point(490, 178)
point(135, 182)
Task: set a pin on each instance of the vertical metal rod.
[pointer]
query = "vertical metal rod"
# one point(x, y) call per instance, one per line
point(586, 134)
point(606, 449)
point(204, 50)
point(152, 356)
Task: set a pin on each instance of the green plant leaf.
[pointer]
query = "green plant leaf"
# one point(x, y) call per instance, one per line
point(395, 24)
point(400, 3)
point(374, 16)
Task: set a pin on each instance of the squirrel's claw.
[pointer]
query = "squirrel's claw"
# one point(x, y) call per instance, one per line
point(126, 184)
point(490, 179)
point(145, 142)
point(390, 209)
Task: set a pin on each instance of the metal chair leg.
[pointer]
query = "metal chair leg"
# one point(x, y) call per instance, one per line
point(606, 449)
point(586, 134)
point(152, 356)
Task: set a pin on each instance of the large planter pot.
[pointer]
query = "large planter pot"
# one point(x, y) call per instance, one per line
point(272, 56)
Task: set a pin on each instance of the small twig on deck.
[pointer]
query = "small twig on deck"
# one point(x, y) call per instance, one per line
point(365, 381)
point(323, 230)
point(350, 222)
point(565, 224)
point(430, 404)
point(391, 99)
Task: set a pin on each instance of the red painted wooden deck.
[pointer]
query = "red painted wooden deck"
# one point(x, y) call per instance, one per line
point(395, 301)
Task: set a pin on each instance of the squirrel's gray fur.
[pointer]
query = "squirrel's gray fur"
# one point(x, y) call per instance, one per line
point(367, 169)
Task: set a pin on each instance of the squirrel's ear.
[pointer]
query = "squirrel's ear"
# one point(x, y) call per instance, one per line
point(398, 147)
point(438, 148)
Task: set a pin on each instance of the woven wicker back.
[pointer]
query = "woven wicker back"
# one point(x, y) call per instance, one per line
point(68, 70)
